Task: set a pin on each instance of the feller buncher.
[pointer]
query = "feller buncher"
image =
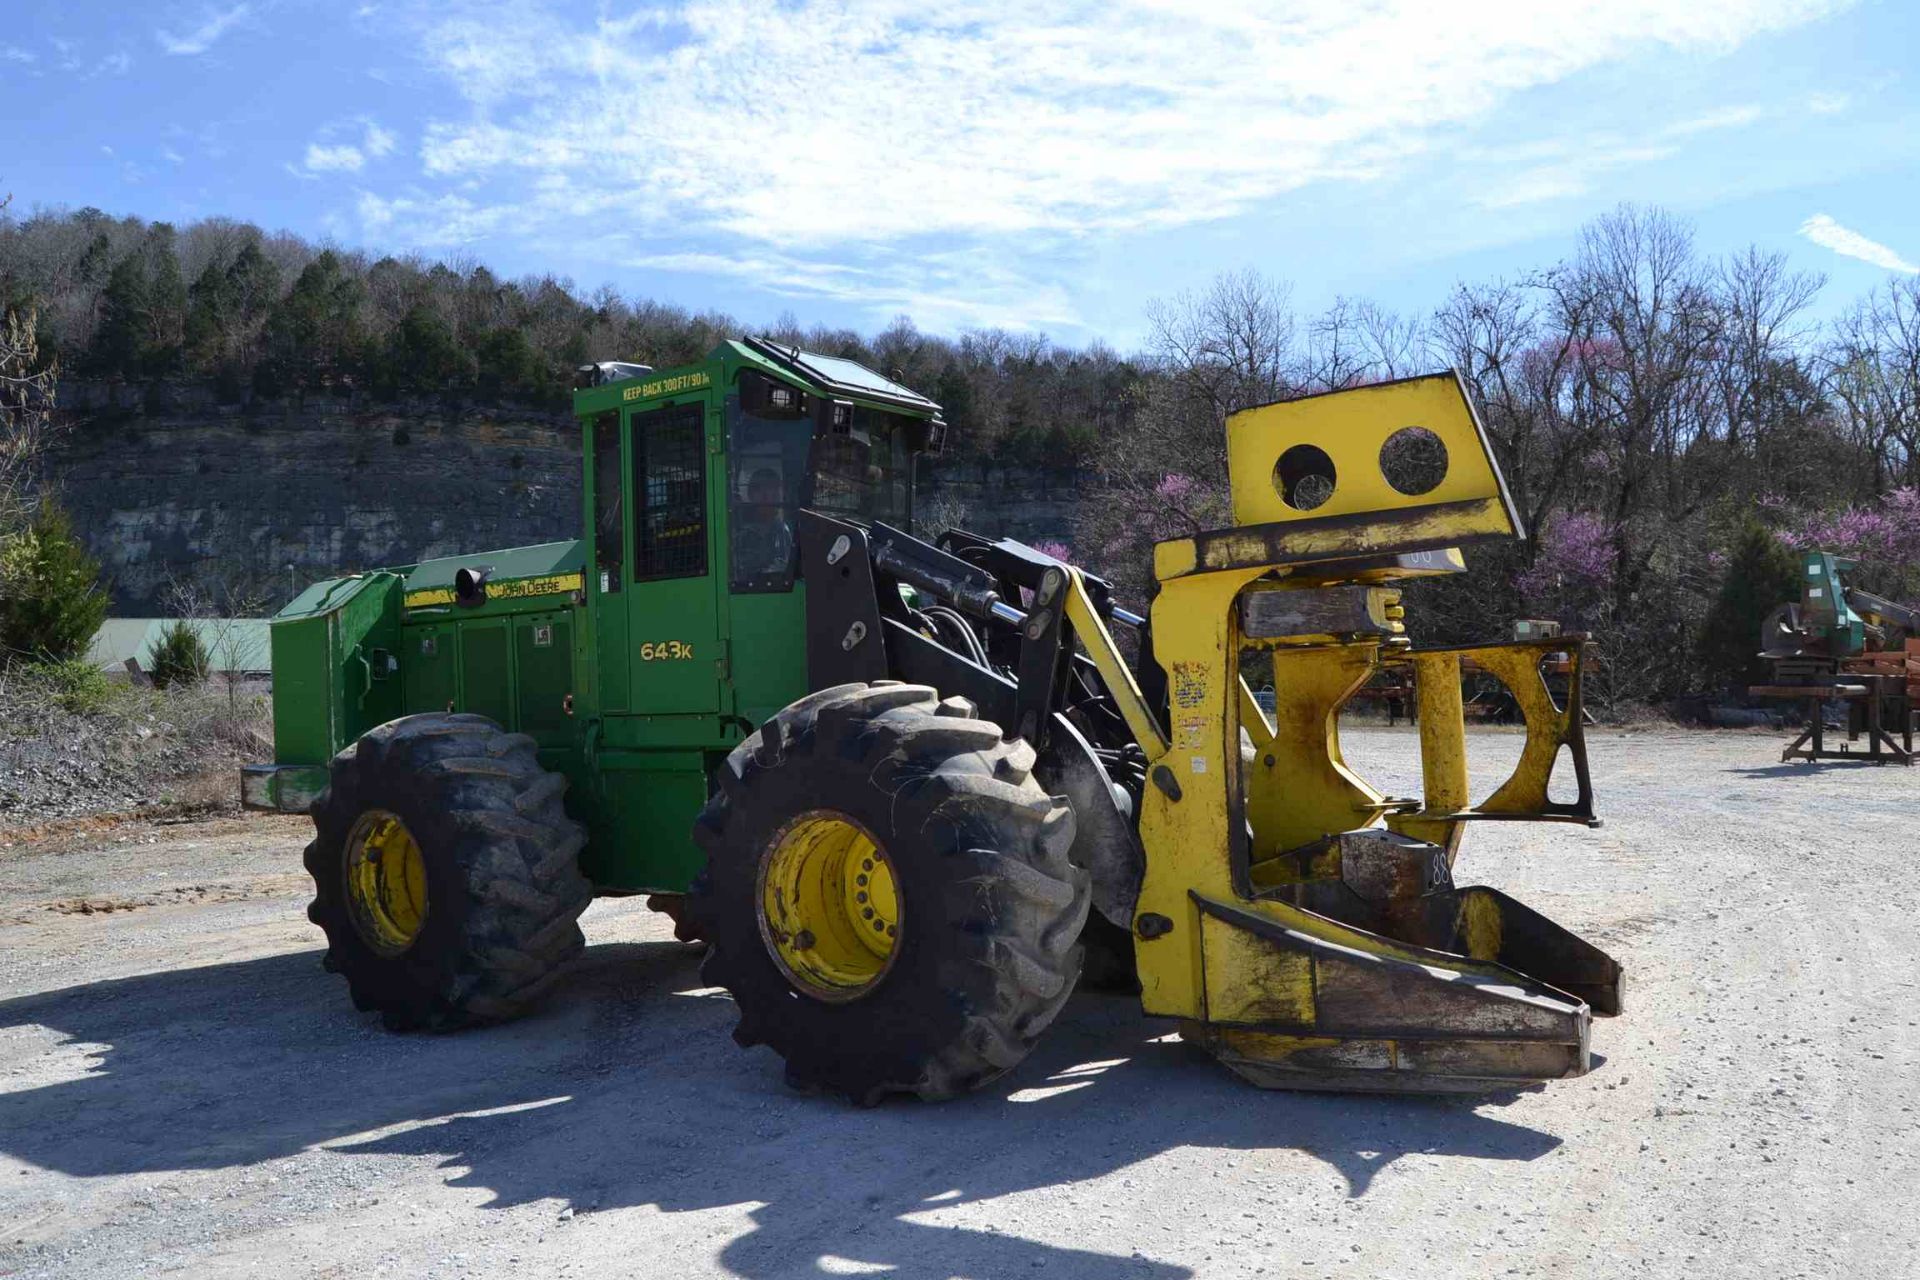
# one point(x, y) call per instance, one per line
point(899, 787)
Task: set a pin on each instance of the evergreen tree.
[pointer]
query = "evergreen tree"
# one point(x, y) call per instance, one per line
point(143, 310)
point(1762, 573)
point(166, 304)
point(422, 353)
point(253, 286)
point(97, 261)
point(314, 334)
point(180, 656)
point(51, 601)
point(210, 319)
point(118, 345)
point(507, 363)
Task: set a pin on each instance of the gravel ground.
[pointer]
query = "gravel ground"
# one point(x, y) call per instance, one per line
point(149, 751)
point(183, 1090)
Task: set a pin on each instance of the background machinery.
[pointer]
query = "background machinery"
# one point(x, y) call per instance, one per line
point(1841, 643)
point(898, 787)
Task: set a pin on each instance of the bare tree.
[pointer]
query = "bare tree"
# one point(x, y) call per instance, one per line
point(28, 387)
point(1872, 370)
point(1231, 346)
point(1764, 307)
point(224, 602)
point(27, 424)
point(1336, 354)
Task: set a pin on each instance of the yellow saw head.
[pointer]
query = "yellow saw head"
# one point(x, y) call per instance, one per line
point(1303, 923)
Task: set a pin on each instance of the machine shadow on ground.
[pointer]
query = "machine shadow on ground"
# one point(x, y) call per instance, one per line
point(1808, 768)
point(629, 1091)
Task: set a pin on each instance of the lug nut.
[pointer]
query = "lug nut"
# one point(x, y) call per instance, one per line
point(803, 940)
point(861, 896)
point(866, 913)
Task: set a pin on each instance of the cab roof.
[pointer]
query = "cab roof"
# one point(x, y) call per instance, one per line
point(839, 375)
point(834, 376)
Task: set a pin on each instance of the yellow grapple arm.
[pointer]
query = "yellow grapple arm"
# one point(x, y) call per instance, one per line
point(1303, 923)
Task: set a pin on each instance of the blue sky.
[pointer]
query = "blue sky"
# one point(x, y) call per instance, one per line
point(1046, 164)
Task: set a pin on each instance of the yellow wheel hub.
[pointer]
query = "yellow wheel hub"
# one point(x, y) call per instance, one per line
point(829, 911)
point(386, 882)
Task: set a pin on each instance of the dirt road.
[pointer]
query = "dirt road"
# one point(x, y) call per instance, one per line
point(183, 1090)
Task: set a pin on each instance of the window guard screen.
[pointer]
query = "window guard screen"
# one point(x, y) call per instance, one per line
point(670, 492)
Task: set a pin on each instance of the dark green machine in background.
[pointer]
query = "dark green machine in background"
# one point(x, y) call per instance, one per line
point(638, 656)
point(1839, 643)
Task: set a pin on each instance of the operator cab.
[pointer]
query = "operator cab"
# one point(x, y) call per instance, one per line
point(779, 428)
point(696, 477)
point(818, 450)
point(822, 450)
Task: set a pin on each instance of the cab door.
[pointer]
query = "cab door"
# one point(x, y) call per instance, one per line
point(608, 580)
point(672, 612)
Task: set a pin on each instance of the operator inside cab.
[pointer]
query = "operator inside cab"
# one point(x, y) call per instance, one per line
point(762, 531)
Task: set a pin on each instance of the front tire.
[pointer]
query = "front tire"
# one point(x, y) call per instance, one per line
point(888, 895)
point(446, 872)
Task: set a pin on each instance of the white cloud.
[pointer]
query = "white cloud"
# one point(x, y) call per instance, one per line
point(14, 53)
point(377, 141)
point(435, 222)
point(1848, 243)
point(215, 23)
point(338, 159)
point(171, 156)
point(1713, 121)
point(957, 288)
point(902, 117)
point(1573, 175)
point(1560, 169)
point(856, 131)
point(116, 63)
point(1828, 104)
point(324, 155)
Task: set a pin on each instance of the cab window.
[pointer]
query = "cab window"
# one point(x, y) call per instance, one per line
point(865, 473)
point(669, 493)
point(766, 485)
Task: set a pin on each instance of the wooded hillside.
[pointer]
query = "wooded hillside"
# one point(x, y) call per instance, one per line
point(1672, 424)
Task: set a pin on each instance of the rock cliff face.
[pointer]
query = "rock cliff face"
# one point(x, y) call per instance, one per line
point(167, 483)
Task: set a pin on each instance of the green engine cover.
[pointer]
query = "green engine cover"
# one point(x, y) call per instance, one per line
point(334, 666)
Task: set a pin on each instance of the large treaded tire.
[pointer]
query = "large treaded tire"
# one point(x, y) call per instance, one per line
point(991, 906)
point(504, 888)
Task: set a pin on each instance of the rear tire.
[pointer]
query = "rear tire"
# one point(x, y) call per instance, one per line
point(503, 890)
point(990, 907)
